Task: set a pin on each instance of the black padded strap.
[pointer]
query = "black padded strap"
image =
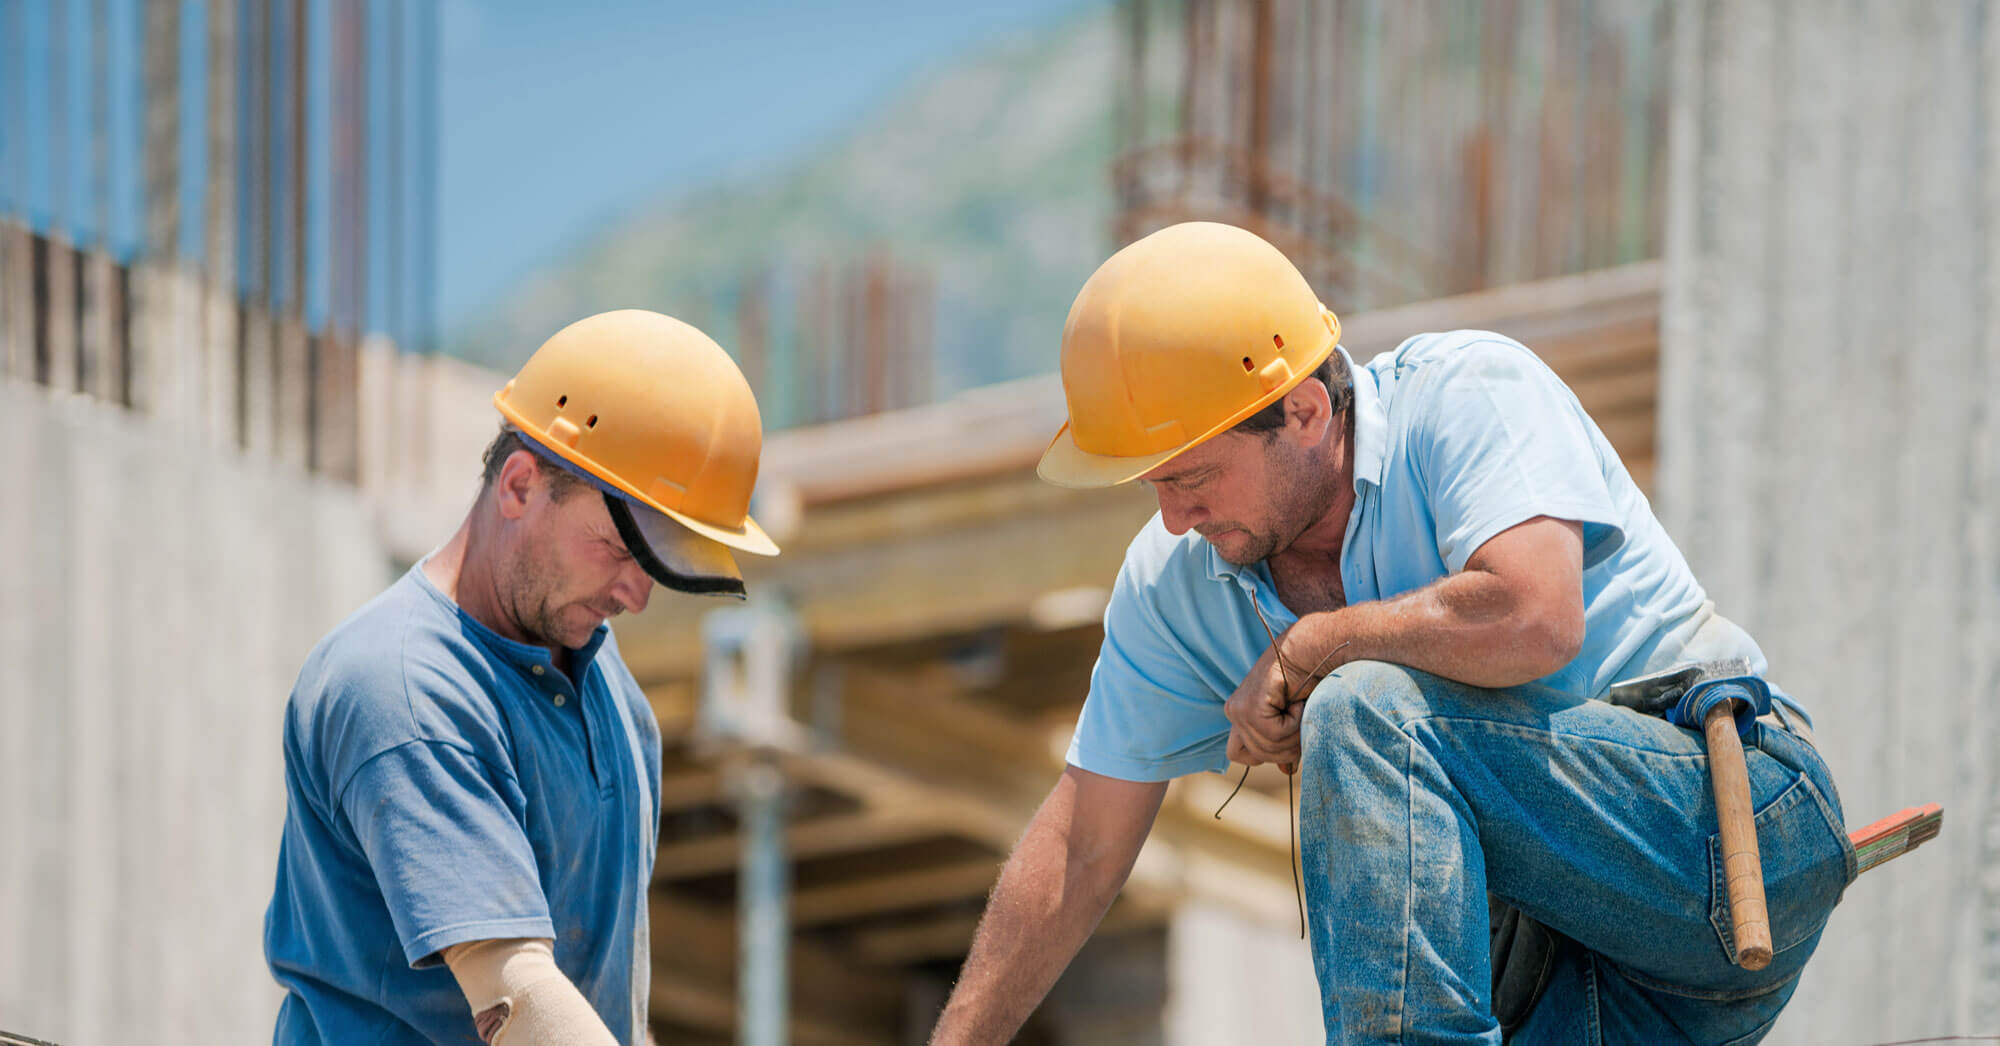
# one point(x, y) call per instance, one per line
point(658, 570)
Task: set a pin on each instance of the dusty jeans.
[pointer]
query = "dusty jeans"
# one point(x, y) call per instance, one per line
point(1420, 795)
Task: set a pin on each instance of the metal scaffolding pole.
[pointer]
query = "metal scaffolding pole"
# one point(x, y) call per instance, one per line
point(763, 906)
point(744, 718)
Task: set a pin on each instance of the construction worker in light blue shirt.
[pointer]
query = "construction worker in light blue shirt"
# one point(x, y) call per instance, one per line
point(1411, 582)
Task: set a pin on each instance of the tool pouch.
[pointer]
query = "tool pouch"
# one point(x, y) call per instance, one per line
point(1524, 956)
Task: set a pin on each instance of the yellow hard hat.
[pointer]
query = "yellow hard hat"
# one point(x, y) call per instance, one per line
point(1175, 339)
point(657, 415)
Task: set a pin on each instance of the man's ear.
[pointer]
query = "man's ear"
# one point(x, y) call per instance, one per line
point(1308, 407)
point(515, 485)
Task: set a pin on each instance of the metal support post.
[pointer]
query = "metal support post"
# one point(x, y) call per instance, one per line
point(745, 719)
point(763, 901)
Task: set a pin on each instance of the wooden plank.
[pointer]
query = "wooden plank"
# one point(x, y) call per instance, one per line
point(1618, 392)
point(901, 945)
point(950, 937)
point(927, 583)
point(951, 744)
point(876, 895)
point(688, 789)
point(1006, 427)
point(694, 977)
point(675, 704)
point(1631, 432)
point(838, 834)
point(928, 521)
point(1580, 360)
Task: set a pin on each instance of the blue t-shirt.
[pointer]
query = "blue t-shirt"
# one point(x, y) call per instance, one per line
point(1457, 437)
point(445, 784)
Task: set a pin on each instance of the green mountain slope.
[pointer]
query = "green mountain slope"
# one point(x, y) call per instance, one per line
point(991, 176)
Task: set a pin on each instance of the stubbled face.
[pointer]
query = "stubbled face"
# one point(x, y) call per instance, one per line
point(567, 570)
point(1247, 494)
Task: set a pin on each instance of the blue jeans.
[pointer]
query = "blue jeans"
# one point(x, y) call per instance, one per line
point(1419, 796)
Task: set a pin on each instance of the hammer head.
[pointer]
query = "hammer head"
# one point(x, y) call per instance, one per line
point(1655, 694)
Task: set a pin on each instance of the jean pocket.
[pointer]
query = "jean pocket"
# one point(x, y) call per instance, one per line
point(1806, 864)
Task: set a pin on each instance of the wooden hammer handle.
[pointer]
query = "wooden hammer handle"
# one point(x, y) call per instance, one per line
point(1742, 867)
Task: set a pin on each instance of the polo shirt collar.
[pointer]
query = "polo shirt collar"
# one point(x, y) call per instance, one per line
point(1371, 428)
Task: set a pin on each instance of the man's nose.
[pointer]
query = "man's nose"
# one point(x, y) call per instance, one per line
point(633, 588)
point(1178, 511)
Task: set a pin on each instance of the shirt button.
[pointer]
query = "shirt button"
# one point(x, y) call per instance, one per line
point(560, 700)
point(537, 669)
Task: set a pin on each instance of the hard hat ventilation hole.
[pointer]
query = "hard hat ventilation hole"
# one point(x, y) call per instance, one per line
point(1247, 365)
point(1278, 340)
point(561, 402)
point(591, 423)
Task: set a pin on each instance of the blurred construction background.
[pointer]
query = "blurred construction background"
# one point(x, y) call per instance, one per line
point(1760, 238)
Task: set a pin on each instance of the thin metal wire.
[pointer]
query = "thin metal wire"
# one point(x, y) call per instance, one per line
point(1291, 807)
point(1232, 793)
point(1292, 837)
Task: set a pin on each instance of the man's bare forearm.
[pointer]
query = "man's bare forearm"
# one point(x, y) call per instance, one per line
point(1431, 631)
point(1481, 627)
point(1064, 873)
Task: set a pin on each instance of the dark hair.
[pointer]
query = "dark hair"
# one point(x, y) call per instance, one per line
point(1332, 373)
point(561, 483)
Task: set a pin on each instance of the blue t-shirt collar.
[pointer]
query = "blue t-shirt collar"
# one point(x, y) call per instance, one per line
point(524, 655)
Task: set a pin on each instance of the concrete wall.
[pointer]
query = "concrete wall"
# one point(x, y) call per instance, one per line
point(157, 595)
point(1230, 980)
point(423, 422)
point(1829, 452)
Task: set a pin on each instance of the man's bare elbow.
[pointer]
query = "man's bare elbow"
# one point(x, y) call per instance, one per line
point(1556, 639)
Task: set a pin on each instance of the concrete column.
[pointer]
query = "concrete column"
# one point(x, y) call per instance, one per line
point(1230, 979)
point(158, 614)
point(1829, 454)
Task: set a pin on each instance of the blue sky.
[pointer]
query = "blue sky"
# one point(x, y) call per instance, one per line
point(558, 117)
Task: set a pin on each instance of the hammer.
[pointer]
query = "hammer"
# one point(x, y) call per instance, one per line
point(1721, 699)
point(1742, 866)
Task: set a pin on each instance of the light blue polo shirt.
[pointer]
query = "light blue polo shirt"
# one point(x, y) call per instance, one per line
point(445, 784)
point(1457, 437)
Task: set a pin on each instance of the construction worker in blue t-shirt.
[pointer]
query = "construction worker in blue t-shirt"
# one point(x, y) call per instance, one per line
point(472, 774)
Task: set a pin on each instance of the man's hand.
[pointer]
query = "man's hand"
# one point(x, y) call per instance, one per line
point(1069, 864)
point(1264, 716)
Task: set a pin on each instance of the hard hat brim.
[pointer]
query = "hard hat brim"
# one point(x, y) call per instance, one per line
point(1067, 465)
point(748, 538)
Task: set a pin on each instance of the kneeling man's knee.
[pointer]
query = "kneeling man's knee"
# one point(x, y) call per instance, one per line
point(1375, 690)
